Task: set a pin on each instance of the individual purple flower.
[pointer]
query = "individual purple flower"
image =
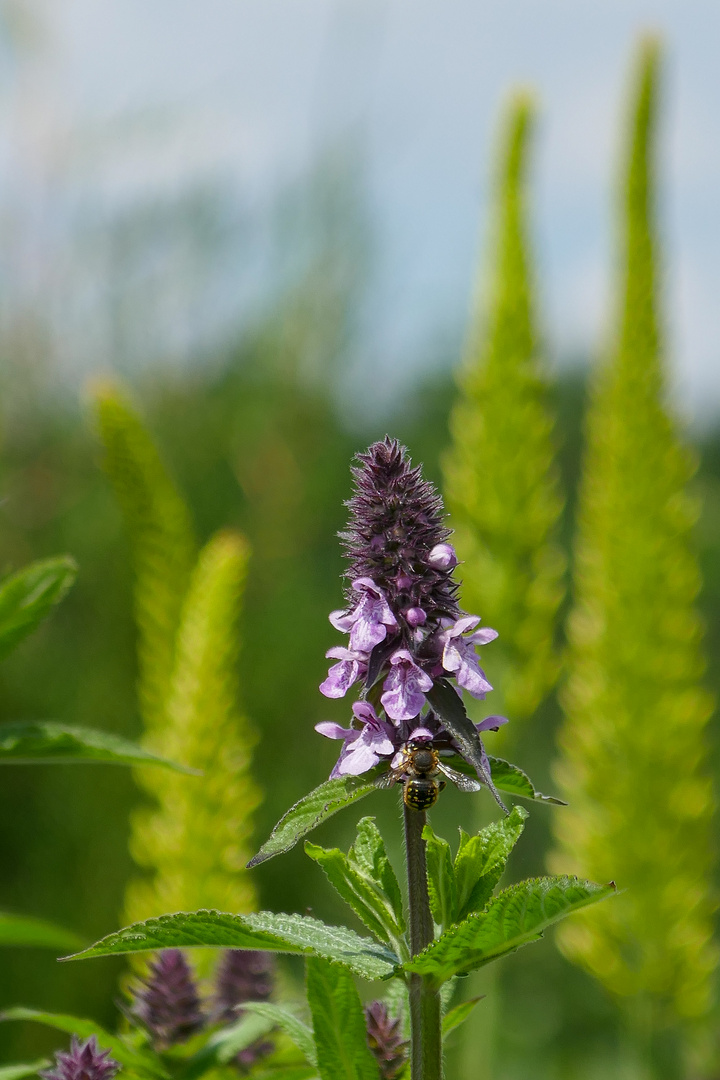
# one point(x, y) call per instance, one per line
point(370, 619)
point(363, 747)
point(341, 676)
point(167, 1002)
point(459, 656)
point(405, 687)
point(85, 1061)
point(443, 557)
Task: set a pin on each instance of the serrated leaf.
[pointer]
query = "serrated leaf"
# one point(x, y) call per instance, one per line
point(45, 742)
point(507, 777)
point(338, 1024)
point(300, 1034)
point(28, 596)
point(358, 890)
point(266, 930)
point(309, 811)
point(75, 1025)
point(481, 860)
point(450, 709)
point(515, 917)
point(27, 932)
point(455, 1017)
point(440, 878)
point(18, 1072)
point(369, 853)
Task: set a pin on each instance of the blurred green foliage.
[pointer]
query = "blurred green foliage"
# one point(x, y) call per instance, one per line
point(501, 477)
point(635, 761)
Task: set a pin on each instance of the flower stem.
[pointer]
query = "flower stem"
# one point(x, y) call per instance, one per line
point(425, 1034)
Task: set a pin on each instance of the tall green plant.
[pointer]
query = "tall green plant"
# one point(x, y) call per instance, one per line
point(500, 473)
point(193, 838)
point(633, 764)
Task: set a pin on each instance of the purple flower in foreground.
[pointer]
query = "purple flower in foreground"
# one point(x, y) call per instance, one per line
point(369, 621)
point(460, 658)
point(362, 747)
point(85, 1061)
point(167, 1003)
point(341, 676)
point(443, 557)
point(385, 1040)
point(405, 687)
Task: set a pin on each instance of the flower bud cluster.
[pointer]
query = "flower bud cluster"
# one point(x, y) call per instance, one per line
point(404, 625)
point(85, 1061)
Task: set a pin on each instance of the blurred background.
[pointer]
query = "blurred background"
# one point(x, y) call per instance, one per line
point(266, 219)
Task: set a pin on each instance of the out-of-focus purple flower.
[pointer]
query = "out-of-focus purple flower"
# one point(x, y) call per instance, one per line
point(167, 1002)
point(405, 687)
point(443, 557)
point(364, 747)
point(459, 656)
point(492, 723)
point(243, 975)
point(85, 1061)
point(341, 676)
point(385, 1040)
point(370, 619)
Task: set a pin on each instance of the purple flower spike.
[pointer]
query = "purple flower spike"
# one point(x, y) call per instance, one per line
point(362, 748)
point(405, 687)
point(167, 1002)
point(341, 676)
point(443, 557)
point(86, 1061)
point(460, 658)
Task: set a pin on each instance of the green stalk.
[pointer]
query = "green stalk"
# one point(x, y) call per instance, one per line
point(425, 1020)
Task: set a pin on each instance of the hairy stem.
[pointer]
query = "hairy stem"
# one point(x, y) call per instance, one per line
point(425, 1035)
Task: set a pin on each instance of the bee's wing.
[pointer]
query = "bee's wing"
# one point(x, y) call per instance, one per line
point(387, 779)
point(465, 783)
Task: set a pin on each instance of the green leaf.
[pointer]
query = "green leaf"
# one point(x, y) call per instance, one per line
point(18, 1072)
point(295, 1030)
point(309, 811)
point(263, 930)
point(44, 742)
point(369, 853)
point(449, 707)
point(458, 1015)
point(515, 917)
point(224, 1045)
point(358, 890)
point(28, 596)
point(506, 777)
point(75, 1025)
point(338, 1024)
point(481, 860)
point(27, 932)
point(441, 878)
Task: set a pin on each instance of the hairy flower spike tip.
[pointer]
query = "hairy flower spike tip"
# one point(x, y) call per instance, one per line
point(405, 627)
point(167, 1002)
point(389, 1048)
point(396, 525)
point(85, 1061)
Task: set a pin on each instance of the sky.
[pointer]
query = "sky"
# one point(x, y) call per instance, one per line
point(256, 89)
